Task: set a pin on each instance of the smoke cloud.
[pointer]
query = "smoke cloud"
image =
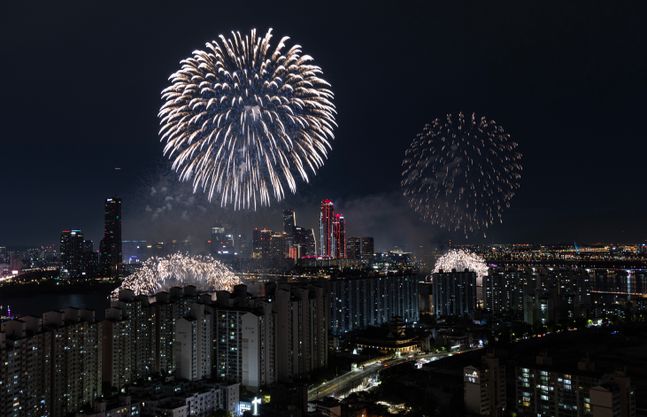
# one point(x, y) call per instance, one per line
point(164, 209)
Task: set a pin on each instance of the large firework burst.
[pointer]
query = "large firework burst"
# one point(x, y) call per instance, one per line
point(460, 260)
point(177, 270)
point(461, 173)
point(245, 119)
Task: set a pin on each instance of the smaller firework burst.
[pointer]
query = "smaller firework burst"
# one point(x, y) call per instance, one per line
point(177, 270)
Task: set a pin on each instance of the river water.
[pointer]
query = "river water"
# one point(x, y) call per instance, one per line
point(37, 304)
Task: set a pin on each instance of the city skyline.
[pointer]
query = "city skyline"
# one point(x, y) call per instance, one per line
point(575, 186)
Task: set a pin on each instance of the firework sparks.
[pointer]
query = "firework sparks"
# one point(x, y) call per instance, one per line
point(461, 173)
point(460, 260)
point(177, 270)
point(245, 119)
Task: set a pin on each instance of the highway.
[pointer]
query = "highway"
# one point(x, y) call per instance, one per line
point(344, 383)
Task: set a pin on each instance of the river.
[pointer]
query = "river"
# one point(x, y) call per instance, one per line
point(37, 304)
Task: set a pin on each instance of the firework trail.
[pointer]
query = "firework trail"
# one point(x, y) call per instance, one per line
point(177, 270)
point(461, 173)
point(246, 119)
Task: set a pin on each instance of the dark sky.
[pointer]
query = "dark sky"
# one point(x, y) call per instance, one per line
point(81, 86)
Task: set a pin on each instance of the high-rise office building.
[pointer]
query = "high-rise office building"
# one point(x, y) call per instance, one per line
point(221, 244)
point(261, 239)
point(304, 241)
point(361, 248)
point(279, 245)
point(289, 222)
point(71, 253)
point(110, 246)
point(309, 243)
point(292, 246)
point(90, 259)
point(243, 245)
point(326, 232)
point(354, 248)
point(339, 232)
point(367, 248)
point(454, 293)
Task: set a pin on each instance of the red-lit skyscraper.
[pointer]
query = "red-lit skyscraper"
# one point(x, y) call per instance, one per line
point(326, 232)
point(339, 231)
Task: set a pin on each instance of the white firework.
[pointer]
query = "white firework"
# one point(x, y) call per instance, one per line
point(246, 119)
point(460, 260)
point(461, 173)
point(177, 270)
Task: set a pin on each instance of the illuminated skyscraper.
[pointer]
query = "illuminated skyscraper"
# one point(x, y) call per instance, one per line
point(90, 259)
point(367, 248)
point(261, 243)
point(71, 251)
point(304, 241)
point(360, 248)
point(309, 243)
point(110, 246)
point(292, 244)
point(326, 237)
point(339, 231)
point(354, 247)
point(289, 222)
point(278, 245)
point(221, 244)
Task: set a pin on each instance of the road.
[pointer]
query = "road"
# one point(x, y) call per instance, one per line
point(342, 384)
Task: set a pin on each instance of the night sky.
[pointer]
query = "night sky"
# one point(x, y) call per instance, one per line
point(81, 86)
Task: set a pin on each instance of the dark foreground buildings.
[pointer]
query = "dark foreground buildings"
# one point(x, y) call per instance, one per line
point(568, 375)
